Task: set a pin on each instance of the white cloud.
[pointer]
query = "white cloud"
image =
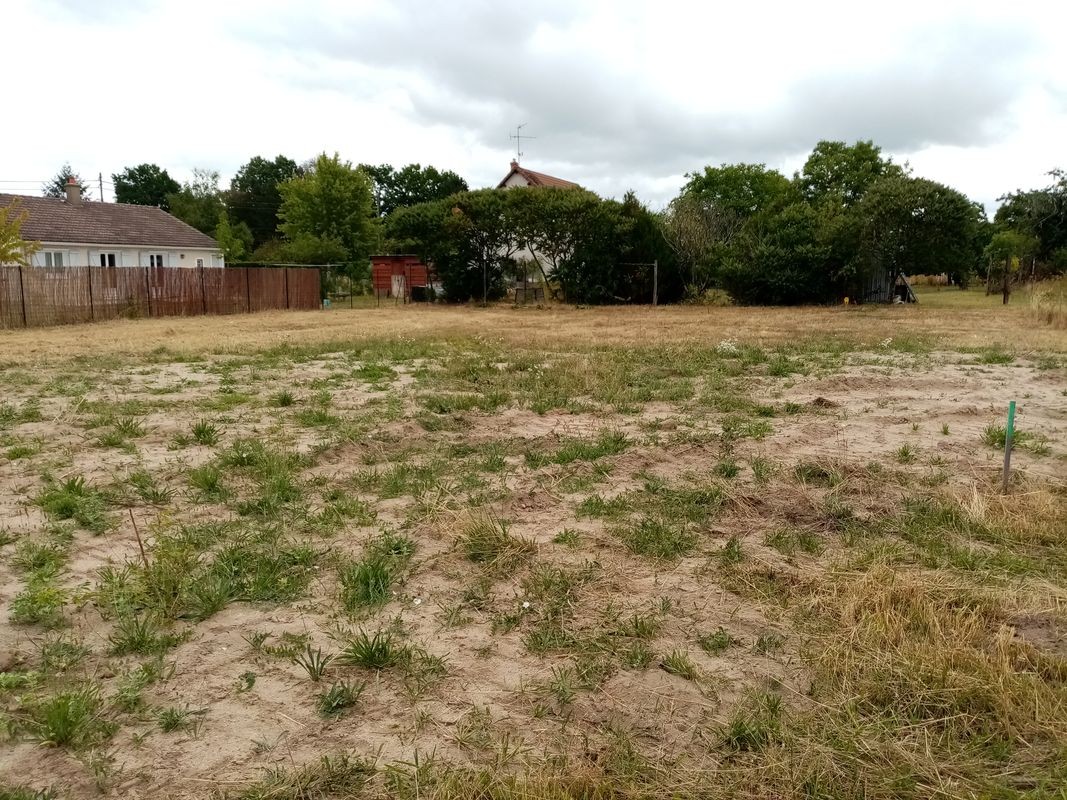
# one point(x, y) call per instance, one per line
point(619, 94)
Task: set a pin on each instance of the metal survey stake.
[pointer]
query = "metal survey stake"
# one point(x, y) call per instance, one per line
point(1009, 429)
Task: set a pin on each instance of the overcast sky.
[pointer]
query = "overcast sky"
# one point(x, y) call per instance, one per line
point(620, 94)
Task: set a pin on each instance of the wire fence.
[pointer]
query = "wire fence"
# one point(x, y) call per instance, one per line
point(39, 296)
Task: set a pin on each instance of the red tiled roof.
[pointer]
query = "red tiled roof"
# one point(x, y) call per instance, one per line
point(537, 178)
point(86, 222)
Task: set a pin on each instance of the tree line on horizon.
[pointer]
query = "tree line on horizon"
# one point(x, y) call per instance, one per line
point(744, 229)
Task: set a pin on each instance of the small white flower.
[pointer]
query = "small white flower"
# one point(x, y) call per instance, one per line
point(887, 341)
point(417, 601)
point(525, 604)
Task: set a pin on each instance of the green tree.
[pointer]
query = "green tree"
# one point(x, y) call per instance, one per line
point(1042, 214)
point(840, 174)
point(56, 187)
point(784, 262)
point(912, 226)
point(235, 241)
point(331, 205)
point(13, 248)
point(742, 190)
point(410, 185)
point(1005, 255)
point(254, 197)
point(198, 202)
point(145, 185)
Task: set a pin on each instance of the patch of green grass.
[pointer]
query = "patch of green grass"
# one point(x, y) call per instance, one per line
point(76, 500)
point(789, 540)
point(21, 450)
point(728, 469)
point(40, 602)
point(755, 725)
point(768, 642)
point(716, 642)
point(314, 662)
point(368, 583)
point(282, 399)
point(650, 536)
point(608, 443)
point(817, 474)
point(42, 558)
point(378, 651)
point(341, 776)
point(207, 481)
point(206, 433)
point(486, 540)
point(74, 717)
point(178, 719)
point(995, 355)
point(679, 662)
point(141, 635)
point(731, 552)
point(340, 696)
point(62, 653)
point(148, 489)
point(1035, 443)
point(568, 537)
point(906, 454)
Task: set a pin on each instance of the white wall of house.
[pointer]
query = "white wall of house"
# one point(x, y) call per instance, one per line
point(515, 180)
point(66, 254)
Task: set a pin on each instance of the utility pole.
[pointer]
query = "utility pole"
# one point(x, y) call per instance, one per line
point(100, 178)
point(655, 282)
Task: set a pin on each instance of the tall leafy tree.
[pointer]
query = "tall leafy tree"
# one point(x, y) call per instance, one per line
point(743, 190)
point(145, 185)
point(254, 197)
point(839, 174)
point(13, 248)
point(235, 240)
point(56, 187)
point(198, 202)
point(330, 204)
point(410, 185)
point(913, 226)
point(1042, 214)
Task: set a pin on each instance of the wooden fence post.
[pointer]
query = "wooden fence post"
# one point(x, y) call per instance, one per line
point(22, 297)
point(248, 293)
point(287, 305)
point(148, 290)
point(92, 311)
point(203, 292)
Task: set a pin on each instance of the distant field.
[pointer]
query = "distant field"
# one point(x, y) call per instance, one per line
point(443, 552)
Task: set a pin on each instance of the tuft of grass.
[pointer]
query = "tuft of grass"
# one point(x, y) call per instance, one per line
point(716, 642)
point(71, 718)
point(282, 399)
point(147, 488)
point(376, 652)
point(731, 552)
point(178, 719)
point(314, 662)
point(755, 725)
point(342, 776)
point(141, 635)
point(996, 436)
point(40, 603)
point(658, 538)
point(816, 474)
point(568, 537)
point(76, 500)
point(906, 454)
point(205, 433)
point(340, 696)
point(486, 540)
point(207, 481)
point(679, 662)
point(129, 427)
point(608, 443)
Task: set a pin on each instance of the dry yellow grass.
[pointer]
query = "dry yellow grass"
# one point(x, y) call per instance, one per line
point(557, 326)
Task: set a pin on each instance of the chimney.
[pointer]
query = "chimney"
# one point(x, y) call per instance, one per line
point(514, 164)
point(73, 190)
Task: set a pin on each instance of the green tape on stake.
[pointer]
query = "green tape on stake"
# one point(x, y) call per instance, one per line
point(1009, 432)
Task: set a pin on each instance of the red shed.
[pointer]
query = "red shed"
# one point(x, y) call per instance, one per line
point(397, 276)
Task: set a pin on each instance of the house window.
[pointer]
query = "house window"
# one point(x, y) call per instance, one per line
point(53, 258)
point(200, 263)
point(155, 260)
point(107, 260)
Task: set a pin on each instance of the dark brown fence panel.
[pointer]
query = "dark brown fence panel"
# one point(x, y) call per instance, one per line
point(35, 296)
point(119, 292)
point(303, 288)
point(266, 289)
point(56, 296)
point(10, 298)
point(175, 291)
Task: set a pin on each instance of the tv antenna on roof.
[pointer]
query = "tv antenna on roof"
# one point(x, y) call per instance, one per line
point(518, 136)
